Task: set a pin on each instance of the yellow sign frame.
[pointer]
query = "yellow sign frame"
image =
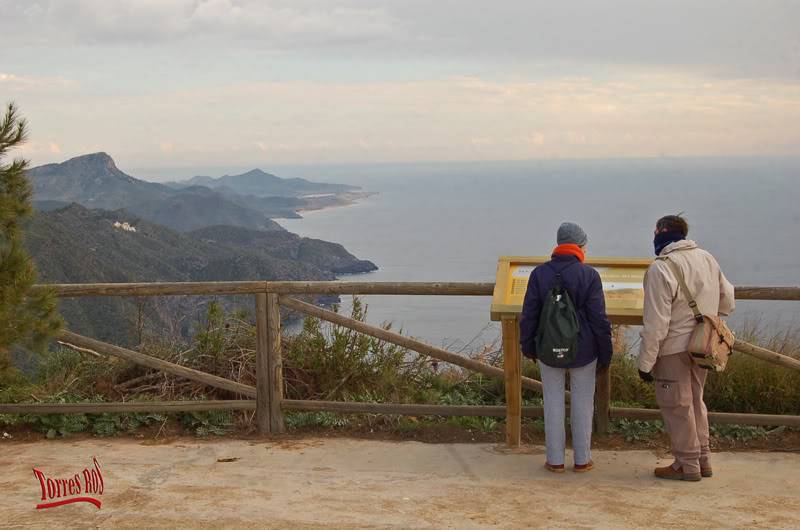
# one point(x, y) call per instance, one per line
point(622, 285)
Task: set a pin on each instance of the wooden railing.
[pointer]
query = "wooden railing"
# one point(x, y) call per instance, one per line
point(267, 396)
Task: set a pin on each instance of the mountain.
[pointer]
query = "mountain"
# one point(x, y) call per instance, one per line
point(80, 245)
point(95, 181)
point(197, 206)
point(284, 245)
point(259, 183)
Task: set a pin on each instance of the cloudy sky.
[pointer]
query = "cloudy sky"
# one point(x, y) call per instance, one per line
point(175, 83)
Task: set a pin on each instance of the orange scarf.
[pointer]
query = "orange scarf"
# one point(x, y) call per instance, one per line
point(569, 249)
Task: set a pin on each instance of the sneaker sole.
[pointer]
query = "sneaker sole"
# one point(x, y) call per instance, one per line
point(707, 474)
point(583, 469)
point(554, 470)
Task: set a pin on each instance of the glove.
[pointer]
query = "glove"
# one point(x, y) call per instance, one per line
point(647, 377)
point(602, 368)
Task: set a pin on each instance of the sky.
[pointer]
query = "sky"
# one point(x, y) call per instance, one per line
point(177, 83)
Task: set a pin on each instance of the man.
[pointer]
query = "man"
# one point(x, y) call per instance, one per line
point(663, 355)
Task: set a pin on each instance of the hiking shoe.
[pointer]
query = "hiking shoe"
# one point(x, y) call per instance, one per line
point(583, 468)
point(554, 468)
point(706, 472)
point(671, 473)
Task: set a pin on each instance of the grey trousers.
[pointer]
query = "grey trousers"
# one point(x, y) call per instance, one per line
point(581, 411)
point(679, 393)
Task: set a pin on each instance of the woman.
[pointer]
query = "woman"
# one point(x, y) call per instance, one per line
point(591, 356)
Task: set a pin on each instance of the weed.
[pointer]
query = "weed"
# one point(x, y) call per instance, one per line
point(637, 430)
point(299, 420)
point(738, 433)
point(111, 424)
point(55, 425)
point(475, 423)
point(208, 422)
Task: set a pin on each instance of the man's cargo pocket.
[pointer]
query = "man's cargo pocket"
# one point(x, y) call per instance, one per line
point(670, 393)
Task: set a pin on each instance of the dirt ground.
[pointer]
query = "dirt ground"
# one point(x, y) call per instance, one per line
point(352, 483)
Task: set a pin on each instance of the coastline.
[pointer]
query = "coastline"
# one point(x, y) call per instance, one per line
point(337, 201)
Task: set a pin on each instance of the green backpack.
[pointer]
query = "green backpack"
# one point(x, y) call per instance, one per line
point(557, 335)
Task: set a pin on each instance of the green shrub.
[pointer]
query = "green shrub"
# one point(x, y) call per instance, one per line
point(110, 424)
point(55, 425)
point(750, 385)
point(299, 420)
point(330, 362)
point(637, 430)
point(738, 433)
point(203, 423)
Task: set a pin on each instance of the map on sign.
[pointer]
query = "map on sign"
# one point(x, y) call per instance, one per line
point(622, 283)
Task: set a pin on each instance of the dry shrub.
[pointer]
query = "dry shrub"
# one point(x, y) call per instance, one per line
point(330, 362)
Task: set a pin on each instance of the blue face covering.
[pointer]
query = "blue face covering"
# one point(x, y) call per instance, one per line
point(663, 239)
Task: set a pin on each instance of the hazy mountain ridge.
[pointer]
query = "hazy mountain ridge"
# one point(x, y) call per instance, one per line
point(80, 245)
point(96, 224)
point(259, 183)
point(95, 182)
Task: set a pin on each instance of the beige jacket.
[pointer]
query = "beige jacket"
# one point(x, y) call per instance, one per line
point(668, 320)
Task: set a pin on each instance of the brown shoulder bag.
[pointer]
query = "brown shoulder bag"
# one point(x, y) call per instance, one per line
point(712, 340)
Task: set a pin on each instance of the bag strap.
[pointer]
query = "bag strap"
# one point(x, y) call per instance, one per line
point(698, 316)
point(559, 279)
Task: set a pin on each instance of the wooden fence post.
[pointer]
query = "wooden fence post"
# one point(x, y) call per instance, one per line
point(602, 402)
point(512, 364)
point(262, 366)
point(275, 364)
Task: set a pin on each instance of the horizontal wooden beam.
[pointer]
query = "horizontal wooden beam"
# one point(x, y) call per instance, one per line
point(767, 355)
point(66, 290)
point(334, 287)
point(129, 407)
point(404, 409)
point(499, 411)
point(352, 407)
point(68, 339)
point(720, 418)
point(767, 293)
point(400, 288)
point(405, 342)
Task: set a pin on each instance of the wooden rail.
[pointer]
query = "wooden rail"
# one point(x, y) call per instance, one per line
point(767, 355)
point(129, 407)
point(69, 339)
point(67, 290)
point(350, 407)
point(334, 287)
point(269, 403)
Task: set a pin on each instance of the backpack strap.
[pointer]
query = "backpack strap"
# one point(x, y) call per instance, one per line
point(559, 282)
point(698, 316)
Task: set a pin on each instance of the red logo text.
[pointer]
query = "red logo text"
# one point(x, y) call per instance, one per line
point(85, 487)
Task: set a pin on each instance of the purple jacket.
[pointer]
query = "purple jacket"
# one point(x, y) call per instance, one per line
point(583, 284)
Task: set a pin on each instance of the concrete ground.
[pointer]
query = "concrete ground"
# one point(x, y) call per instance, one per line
point(347, 483)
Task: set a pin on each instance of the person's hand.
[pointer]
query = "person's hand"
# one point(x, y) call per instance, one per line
point(647, 377)
point(602, 368)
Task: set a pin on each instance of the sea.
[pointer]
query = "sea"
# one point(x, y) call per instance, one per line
point(434, 222)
